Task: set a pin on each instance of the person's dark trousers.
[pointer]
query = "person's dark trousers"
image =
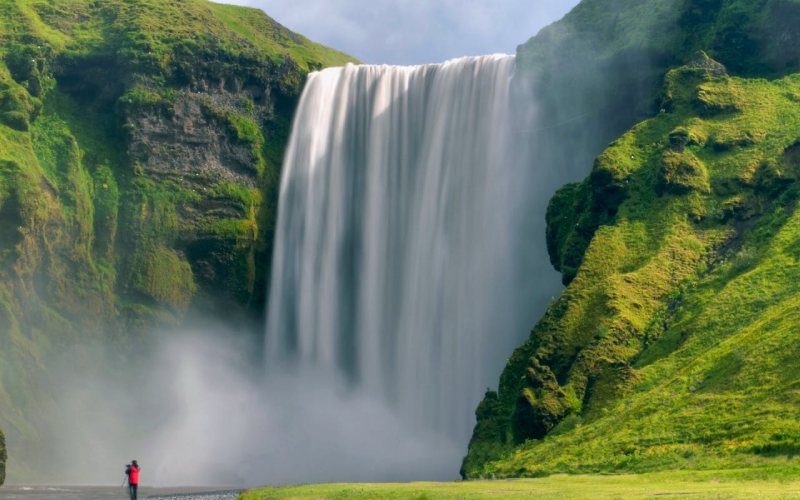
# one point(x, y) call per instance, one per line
point(133, 488)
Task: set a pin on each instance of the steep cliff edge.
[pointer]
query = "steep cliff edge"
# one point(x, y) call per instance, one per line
point(672, 345)
point(140, 150)
point(599, 70)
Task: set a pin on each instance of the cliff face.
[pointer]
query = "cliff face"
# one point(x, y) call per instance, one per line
point(599, 70)
point(140, 149)
point(670, 346)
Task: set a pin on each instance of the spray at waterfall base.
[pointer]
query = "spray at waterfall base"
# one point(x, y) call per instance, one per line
point(401, 279)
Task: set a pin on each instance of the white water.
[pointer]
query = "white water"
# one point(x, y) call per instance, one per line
point(402, 258)
point(409, 263)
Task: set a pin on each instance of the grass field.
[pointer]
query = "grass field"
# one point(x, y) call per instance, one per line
point(767, 483)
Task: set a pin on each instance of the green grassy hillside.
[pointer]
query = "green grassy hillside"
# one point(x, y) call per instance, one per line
point(673, 345)
point(694, 196)
point(597, 72)
point(140, 150)
point(776, 482)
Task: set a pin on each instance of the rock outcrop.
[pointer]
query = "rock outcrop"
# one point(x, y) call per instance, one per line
point(677, 249)
point(140, 151)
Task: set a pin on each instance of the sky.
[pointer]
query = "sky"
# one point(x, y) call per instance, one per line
point(415, 31)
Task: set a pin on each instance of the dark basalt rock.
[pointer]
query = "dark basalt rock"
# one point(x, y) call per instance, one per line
point(3, 458)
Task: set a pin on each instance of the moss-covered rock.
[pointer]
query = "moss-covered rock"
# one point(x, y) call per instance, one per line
point(718, 145)
point(140, 150)
point(18, 108)
point(681, 173)
point(640, 364)
point(683, 137)
point(600, 70)
point(570, 228)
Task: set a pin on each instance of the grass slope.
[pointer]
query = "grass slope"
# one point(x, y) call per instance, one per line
point(764, 483)
point(673, 346)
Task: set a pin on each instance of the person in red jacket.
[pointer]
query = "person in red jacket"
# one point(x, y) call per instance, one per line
point(132, 471)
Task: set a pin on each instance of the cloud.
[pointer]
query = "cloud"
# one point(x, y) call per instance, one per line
point(415, 31)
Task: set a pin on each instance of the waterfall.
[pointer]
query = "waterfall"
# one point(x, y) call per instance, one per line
point(401, 259)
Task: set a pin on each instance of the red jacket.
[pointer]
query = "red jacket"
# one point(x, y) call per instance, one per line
point(133, 475)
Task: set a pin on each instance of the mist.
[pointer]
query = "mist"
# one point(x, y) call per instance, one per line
point(194, 410)
point(206, 407)
point(197, 406)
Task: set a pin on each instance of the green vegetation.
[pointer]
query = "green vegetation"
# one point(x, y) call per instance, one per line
point(749, 37)
point(274, 40)
point(140, 151)
point(778, 481)
point(598, 71)
point(140, 146)
point(672, 347)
